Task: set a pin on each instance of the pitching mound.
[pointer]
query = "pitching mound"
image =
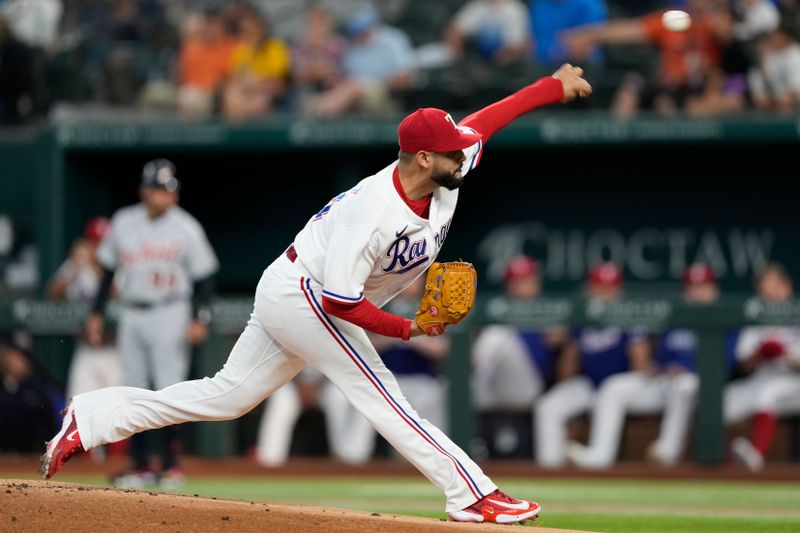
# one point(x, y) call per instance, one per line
point(67, 507)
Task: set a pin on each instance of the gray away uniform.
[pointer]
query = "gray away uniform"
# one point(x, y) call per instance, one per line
point(157, 261)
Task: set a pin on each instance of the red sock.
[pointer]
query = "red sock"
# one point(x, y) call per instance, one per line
point(764, 427)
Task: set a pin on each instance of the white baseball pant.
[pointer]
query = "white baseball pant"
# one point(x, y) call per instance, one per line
point(761, 392)
point(679, 404)
point(350, 437)
point(553, 412)
point(353, 438)
point(153, 347)
point(639, 394)
point(289, 328)
point(92, 368)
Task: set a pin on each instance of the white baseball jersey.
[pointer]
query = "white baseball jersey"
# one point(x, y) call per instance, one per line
point(367, 243)
point(751, 338)
point(83, 286)
point(157, 259)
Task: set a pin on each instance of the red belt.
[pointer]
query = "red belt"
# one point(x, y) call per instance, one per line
point(291, 253)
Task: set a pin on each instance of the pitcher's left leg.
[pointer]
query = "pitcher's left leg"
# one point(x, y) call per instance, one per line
point(256, 367)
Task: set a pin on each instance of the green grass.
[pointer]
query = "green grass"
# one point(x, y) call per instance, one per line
point(594, 505)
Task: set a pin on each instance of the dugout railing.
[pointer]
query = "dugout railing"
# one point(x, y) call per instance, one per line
point(53, 325)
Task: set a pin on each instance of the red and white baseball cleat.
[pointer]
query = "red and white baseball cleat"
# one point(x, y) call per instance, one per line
point(63, 446)
point(499, 508)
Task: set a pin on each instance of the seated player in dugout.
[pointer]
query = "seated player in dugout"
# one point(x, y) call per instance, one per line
point(767, 385)
point(667, 387)
point(513, 366)
point(316, 301)
point(603, 353)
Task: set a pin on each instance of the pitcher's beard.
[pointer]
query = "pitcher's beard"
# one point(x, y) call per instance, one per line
point(449, 180)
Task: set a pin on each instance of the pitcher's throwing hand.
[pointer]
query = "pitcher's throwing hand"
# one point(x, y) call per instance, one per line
point(574, 84)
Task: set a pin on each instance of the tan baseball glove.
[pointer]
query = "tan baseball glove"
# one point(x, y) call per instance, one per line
point(449, 296)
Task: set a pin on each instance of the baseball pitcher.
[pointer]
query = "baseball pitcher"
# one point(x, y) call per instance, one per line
point(315, 303)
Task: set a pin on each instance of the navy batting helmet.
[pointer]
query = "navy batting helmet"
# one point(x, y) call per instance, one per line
point(160, 173)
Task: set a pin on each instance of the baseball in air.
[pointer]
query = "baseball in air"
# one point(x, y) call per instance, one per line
point(676, 20)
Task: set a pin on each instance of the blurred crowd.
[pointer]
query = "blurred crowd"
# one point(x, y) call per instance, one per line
point(246, 60)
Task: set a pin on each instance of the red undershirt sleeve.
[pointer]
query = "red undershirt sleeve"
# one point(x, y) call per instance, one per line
point(496, 116)
point(364, 314)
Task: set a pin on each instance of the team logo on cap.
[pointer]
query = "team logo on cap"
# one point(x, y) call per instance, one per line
point(164, 175)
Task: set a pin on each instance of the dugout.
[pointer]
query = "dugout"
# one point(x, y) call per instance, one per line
point(652, 193)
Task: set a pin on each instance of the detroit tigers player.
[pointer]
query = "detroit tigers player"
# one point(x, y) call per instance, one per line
point(164, 261)
point(315, 301)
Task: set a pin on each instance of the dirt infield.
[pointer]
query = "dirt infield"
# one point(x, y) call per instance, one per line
point(28, 506)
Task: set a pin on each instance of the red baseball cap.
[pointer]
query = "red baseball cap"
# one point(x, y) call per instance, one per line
point(605, 274)
point(432, 130)
point(698, 273)
point(96, 229)
point(521, 266)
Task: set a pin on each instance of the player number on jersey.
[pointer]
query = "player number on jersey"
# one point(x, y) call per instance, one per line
point(163, 279)
point(336, 199)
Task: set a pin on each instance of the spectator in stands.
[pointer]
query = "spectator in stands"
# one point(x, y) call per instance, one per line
point(318, 56)
point(33, 22)
point(497, 31)
point(725, 89)
point(205, 62)
point(512, 367)
point(28, 30)
point(686, 57)
point(27, 410)
point(549, 18)
point(775, 79)
point(769, 362)
point(755, 18)
point(603, 353)
point(130, 43)
point(790, 16)
point(76, 280)
point(379, 65)
point(260, 70)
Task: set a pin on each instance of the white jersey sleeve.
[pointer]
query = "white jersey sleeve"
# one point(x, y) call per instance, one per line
point(66, 269)
point(472, 154)
point(201, 259)
point(747, 343)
